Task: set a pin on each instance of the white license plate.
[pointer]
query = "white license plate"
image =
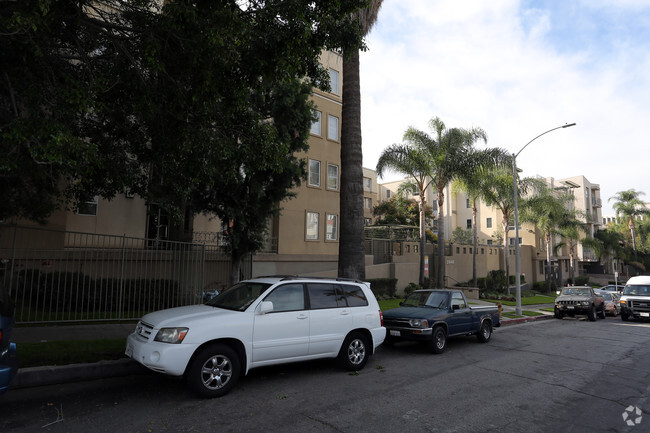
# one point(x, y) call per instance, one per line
point(129, 351)
point(644, 314)
point(394, 333)
point(570, 307)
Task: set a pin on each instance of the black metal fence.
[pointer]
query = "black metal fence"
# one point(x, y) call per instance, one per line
point(56, 276)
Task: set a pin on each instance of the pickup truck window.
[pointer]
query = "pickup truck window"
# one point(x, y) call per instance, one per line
point(457, 299)
point(426, 299)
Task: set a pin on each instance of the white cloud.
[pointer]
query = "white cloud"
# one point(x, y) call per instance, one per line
point(516, 69)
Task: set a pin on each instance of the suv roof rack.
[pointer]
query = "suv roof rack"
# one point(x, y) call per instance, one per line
point(302, 277)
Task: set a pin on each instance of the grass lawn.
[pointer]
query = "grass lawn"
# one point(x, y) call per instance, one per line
point(529, 300)
point(387, 304)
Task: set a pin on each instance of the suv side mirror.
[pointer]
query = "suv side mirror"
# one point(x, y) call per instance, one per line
point(266, 307)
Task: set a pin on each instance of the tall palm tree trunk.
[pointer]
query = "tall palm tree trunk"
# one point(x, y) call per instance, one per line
point(440, 275)
point(475, 239)
point(351, 250)
point(422, 239)
point(506, 252)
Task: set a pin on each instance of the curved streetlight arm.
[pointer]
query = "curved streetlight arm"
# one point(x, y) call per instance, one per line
point(559, 127)
point(516, 193)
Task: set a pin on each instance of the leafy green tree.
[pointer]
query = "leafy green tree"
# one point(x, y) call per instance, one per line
point(411, 160)
point(198, 104)
point(546, 209)
point(497, 190)
point(629, 206)
point(351, 250)
point(470, 182)
point(449, 153)
point(400, 211)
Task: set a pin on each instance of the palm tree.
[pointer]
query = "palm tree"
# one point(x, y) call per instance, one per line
point(546, 210)
point(470, 182)
point(449, 152)
point(630, 206)
point(497, 191)
point(573, 229)
point(351, 251)
point(412, 161)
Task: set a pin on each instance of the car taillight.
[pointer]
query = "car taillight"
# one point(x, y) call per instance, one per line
point(381, 318)
point(0, 336)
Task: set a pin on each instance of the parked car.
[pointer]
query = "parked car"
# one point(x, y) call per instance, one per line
point(635, 299)
point(259, 322)
point(612, 302)
point(574, 300)
point(431, 316)
point(8, 356)
point(617, 288)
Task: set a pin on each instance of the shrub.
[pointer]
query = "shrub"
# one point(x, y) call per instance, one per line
point(410, 288)
point(540, 286)
point(480, 282)
point(582, 280)
point(496, 280)
point(384, 288)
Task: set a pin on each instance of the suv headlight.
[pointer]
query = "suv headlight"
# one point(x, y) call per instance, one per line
point(585, 302)
point(418, 323)
point(171, 335)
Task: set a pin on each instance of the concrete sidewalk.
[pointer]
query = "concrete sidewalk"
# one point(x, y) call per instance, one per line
point(39, 376)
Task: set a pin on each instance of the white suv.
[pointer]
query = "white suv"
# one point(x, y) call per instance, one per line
point(258, 322)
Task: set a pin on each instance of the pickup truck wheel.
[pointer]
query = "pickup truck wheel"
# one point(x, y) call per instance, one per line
point(485, 332)
point(438, 342)
point(624, 317)
point(213, 371)
point(354, 352)
point(591, 315)
point(602, 313)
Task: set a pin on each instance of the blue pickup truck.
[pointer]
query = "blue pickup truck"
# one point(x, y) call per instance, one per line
point(431, 316)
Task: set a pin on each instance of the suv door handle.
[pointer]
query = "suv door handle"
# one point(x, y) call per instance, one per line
point(302, 316)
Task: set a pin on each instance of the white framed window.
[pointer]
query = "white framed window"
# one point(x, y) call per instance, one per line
point(334, 81)
point(488, 223)
point(332, 127)
point(311, 226)
point(367, 202)
point(367, 184)
point(88, 205)
point(316, 126)
point(332, 176)
point(332, 228)
point(314, 172)
point(387, 193)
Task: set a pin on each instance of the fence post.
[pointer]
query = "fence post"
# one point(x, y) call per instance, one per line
point(120, 298)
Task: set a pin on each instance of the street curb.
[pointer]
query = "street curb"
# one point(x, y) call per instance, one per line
point(52, 375)
point(526, 319)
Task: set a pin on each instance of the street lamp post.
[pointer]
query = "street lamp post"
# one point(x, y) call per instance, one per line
point(515, 190)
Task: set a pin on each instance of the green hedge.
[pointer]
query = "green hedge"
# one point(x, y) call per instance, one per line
point(383, 288)
point(582, 280)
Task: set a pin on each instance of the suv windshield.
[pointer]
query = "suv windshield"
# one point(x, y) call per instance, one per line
point(426, 299)
point(637, 290)
point(239, 296)
point(572, 291)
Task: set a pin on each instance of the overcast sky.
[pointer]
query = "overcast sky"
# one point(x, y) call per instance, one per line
point(517, 68)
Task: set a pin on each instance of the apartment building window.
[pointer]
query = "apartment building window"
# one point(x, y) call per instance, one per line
point(332, 127)
point(512, 241)
point(467, 203)
point(367, 202)
point(388, 194)
point(316, 126)
point(541, 267)
point(311, 228)
point(367, 183)
point(314, 172)
point(490, 242)
point(334, 81)
point(469, 223)
point(332, 228)
point(332, 176)
point(88, 205)
point(488, 223)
